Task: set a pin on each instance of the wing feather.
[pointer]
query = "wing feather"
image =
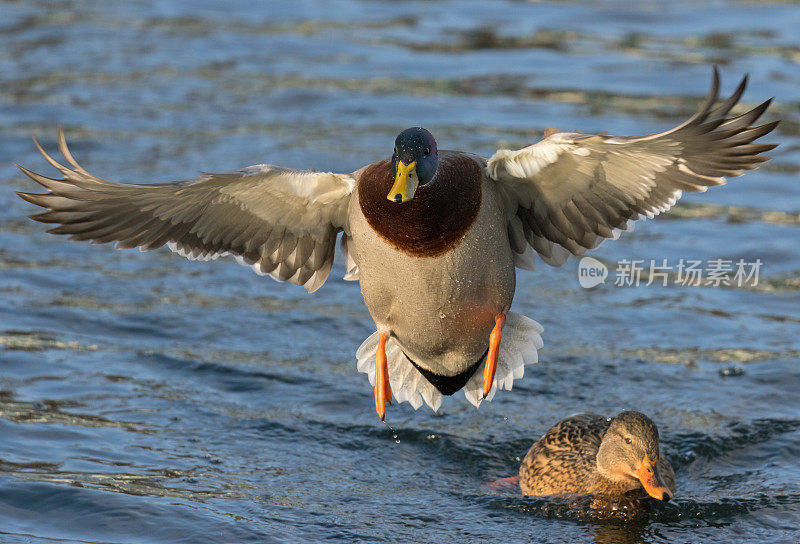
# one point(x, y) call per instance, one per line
point(571, 190)
point(279, 221)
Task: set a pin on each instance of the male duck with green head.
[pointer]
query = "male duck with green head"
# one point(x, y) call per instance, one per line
point(434, 237)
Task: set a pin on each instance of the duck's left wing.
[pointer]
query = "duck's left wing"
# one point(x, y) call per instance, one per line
point(570, 191)
point(282, 222)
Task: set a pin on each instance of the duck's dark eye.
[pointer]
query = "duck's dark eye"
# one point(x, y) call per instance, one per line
point(427, 151)
point(628, 440)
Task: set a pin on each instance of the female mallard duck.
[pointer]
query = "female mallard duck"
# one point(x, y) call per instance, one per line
point(587, 453)
point(432, 236)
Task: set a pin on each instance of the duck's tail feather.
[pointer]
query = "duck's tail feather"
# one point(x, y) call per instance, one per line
point(519, 346)
point(407, 383)
point(521, 340)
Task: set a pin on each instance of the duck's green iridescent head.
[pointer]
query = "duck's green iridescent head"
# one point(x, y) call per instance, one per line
point(414, 163)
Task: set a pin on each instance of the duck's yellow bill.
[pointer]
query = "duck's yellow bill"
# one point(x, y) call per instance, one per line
point(405, 182)
point(652, 481)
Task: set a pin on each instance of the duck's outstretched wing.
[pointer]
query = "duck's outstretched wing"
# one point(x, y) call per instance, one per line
point(281, 222)
point(570, 191)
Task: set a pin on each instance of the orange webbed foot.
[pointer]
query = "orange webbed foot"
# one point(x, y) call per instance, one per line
point(383, 391)
point(491, 358)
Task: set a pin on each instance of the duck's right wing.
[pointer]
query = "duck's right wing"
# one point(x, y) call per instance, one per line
point(569, 192)
point(281, 222)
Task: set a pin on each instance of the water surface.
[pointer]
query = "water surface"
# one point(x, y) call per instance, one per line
point(145, 398)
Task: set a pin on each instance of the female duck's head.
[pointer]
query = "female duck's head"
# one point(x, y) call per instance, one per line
point(629, 451)
point(414, 163)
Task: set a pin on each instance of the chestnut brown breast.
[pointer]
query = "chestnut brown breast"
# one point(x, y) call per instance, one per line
point(438, 216)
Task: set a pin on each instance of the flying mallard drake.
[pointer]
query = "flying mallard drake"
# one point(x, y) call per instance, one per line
point(432, 236)
point(588, 453)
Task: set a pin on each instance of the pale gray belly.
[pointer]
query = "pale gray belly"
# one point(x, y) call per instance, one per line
point(441, 309)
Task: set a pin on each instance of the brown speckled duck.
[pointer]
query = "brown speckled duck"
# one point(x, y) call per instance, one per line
point(592, 454)
point(432, 236)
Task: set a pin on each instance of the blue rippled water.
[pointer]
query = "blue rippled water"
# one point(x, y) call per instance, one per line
point(145, 398)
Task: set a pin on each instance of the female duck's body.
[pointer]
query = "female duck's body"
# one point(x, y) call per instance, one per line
point(590, 453)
